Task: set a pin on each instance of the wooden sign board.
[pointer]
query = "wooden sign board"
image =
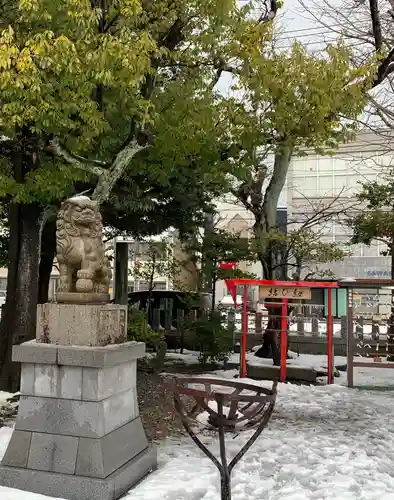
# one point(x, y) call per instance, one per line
point(280, 292)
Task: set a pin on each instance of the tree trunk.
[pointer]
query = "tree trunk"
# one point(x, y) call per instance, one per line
point(270, 348)
point(214, 282)
point(207, 262)
point(48, 252)
point(266, 254)
point(18, 321)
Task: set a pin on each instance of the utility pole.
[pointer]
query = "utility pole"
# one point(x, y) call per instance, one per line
point(121, 272)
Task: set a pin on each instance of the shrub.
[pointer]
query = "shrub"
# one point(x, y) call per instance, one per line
point(139, 330)
point(212, 338)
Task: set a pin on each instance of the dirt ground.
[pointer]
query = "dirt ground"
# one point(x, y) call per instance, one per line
point(157, 407)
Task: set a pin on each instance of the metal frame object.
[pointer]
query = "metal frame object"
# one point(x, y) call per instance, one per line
point(351, 364)
point(244, 412)
point(329, 285)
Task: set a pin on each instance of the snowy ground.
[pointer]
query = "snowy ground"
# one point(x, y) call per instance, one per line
point(318, 362)
point(322, 443)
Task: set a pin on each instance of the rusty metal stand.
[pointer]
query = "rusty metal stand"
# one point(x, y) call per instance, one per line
point(254, 413)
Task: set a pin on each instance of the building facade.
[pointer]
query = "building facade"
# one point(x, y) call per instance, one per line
point(235, 218)
point(314, 181)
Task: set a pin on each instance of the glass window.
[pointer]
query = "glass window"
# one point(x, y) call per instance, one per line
point(356, 250)
point(325, 164)
point(340, 165)
point(352, 183)
point(310, 168)
point(145, 251)
point(159, 285)
point(310, 189)
point(298, 166)
point(305, 187)
point(340, 184)
point(371, 250)
point(143, 286)
point(3, 283)
point(342, 230)
point(325, 185)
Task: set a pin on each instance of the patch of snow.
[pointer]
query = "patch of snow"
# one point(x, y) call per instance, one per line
point(322, 443)
point(203, 418)
point(4, 396)
point(5, 436)
point(80, 198)
point(188, 357)
point(317, 362)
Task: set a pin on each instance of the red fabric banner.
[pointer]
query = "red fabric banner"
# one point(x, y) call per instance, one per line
point(229, 284)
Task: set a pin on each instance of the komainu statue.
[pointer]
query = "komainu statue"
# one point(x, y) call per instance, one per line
point(83, 266)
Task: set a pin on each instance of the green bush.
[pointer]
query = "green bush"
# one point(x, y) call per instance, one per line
point(212, 339)
point(139, 330)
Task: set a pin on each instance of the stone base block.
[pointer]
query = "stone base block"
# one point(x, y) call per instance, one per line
point(78, 434)
point(74, 487)
point(84, 325)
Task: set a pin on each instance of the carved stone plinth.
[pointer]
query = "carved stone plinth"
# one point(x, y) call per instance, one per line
point(78, 433)
point(82, 298)
point(77, 324)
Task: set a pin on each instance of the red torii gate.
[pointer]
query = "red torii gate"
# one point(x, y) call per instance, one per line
point(284, 290)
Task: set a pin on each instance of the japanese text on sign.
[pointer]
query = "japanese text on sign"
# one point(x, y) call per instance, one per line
point(285, 293)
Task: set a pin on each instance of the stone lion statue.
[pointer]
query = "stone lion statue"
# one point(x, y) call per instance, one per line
point(83, 266)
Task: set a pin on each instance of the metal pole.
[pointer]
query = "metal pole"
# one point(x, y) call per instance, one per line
point(330, 357)
point(244, 333)
point(283, 341)
point(121, 272)
point(350, 338)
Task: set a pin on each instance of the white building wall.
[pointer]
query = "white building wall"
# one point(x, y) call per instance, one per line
point(315, 180)
point(162, 282)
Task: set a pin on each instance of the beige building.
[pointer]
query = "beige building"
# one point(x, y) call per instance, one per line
point(185, 278)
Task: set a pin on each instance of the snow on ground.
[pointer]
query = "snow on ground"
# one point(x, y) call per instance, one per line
point(317, 362)
point(4, 396)
point(322, 443)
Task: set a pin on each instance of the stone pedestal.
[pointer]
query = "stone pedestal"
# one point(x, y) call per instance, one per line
point(81, 324)
point(78, 434)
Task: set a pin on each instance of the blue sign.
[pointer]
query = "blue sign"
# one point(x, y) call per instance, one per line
point(375, 273)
